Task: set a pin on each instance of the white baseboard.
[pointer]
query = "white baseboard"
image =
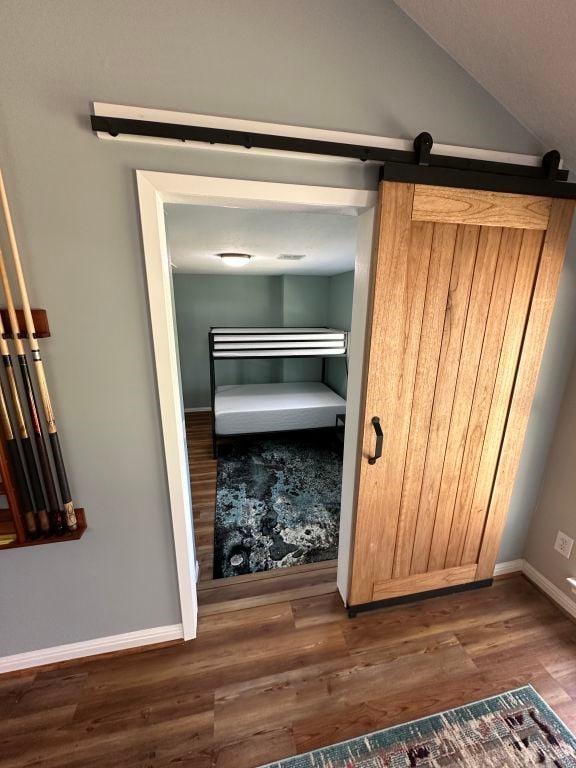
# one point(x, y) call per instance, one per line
point(197, 410)
point(99, 645)
point(144, 637)
point(551, 590)
point(555, 594)
point(511, 566)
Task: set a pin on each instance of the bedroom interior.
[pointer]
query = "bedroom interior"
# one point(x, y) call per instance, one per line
point(263, 348)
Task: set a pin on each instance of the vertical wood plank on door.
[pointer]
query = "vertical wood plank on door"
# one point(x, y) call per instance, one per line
point(533, 347)
point(439, 276)
point(463, 271)
point(403, 256)
point(480, 298)
point(473, 439)
point(465, 543)
point(397, 431)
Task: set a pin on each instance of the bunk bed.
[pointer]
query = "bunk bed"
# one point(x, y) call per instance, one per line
point(248, 409)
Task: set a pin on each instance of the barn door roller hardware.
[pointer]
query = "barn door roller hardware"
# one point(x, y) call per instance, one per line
point(546, 179)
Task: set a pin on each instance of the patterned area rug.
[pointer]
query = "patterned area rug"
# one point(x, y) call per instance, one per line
point(514, 729)
point(277, 502)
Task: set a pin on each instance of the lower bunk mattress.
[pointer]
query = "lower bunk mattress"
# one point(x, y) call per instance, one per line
point(241, 409)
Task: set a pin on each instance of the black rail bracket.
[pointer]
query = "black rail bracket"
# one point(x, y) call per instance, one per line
point(551, 164)
point(423, 144)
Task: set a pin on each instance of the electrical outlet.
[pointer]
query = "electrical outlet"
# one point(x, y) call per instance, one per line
point(563, 544)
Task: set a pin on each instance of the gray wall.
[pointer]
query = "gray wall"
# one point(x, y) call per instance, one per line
point(555, 509)
point(75, 209)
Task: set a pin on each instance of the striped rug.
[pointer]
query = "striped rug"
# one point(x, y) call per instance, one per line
point(516, 728)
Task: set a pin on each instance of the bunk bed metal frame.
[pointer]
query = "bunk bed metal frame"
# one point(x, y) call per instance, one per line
point(340, 352)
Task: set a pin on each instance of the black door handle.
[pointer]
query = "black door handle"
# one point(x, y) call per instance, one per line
point(379, 440)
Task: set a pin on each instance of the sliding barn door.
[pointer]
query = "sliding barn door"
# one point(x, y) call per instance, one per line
point(464, 285)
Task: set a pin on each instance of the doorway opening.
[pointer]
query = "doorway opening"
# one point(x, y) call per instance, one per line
point(155, 192)
point(263, 306)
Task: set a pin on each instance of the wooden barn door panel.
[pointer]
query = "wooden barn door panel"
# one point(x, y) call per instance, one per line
point(464, 283)
point(400, 281)
point(490, 410)
point(449, 409)
point(536, 331)
point(476, 377)
point(446, 278)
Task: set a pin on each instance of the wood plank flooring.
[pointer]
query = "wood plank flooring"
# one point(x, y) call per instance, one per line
point(202, 467)
point(271, 681)
point(279, 586)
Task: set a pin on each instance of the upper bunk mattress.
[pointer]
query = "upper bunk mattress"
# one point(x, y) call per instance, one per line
point(249, 408)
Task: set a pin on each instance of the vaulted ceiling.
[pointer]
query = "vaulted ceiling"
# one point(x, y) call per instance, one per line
point(522, 51)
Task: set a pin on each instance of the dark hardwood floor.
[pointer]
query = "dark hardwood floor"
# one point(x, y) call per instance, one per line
point(271, 681)
point(202, 467)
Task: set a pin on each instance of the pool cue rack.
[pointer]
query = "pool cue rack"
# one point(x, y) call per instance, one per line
point(12, 528)
point(40, 323)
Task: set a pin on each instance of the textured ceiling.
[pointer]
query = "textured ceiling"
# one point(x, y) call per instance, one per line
point(196, 234)
point(522, 51)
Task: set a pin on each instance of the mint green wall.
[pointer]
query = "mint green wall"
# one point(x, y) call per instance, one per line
point(202, 301)
point(341, 291)
point(305, 303)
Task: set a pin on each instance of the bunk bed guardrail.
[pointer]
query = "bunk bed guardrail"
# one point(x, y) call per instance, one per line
point(261, 342)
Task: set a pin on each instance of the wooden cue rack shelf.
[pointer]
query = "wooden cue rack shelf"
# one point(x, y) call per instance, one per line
point(12, 530)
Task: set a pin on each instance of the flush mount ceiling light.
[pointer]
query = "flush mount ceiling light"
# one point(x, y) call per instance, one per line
point(235, 259)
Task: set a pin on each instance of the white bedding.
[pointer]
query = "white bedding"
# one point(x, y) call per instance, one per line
point(249, 408)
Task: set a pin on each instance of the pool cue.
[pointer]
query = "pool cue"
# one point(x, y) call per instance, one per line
point(15, 463)
point(56, 520)
point(69, 512)
point(39, 504)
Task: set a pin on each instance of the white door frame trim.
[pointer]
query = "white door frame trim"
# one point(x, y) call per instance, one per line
point(154, 190)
